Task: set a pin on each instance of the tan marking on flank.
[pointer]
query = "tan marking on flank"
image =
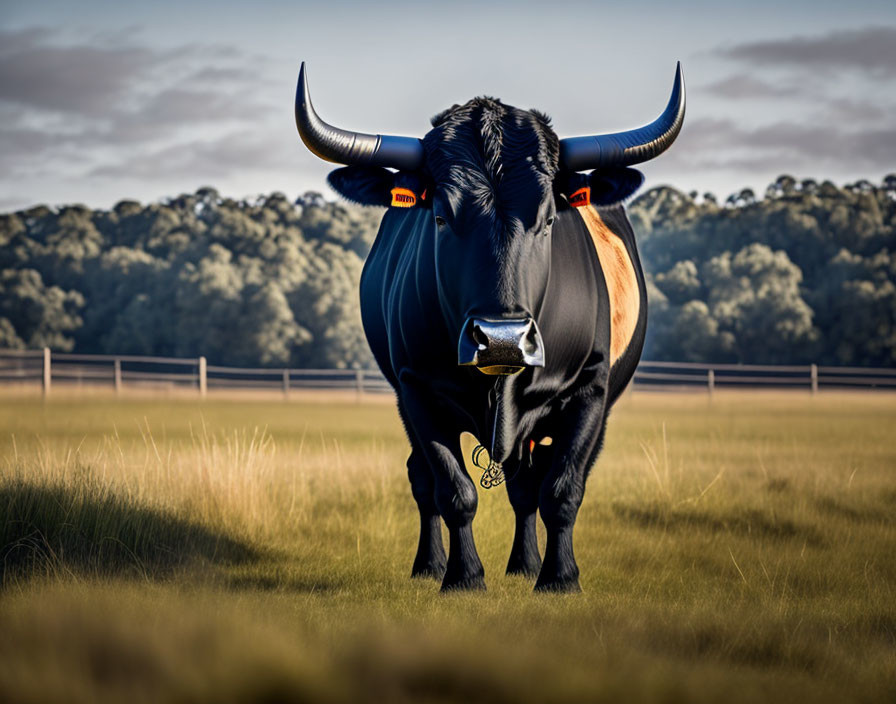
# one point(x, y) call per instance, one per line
point(622, 284)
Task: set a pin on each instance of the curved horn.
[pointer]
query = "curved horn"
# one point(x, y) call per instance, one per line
point(344, 147)
point(631, 147)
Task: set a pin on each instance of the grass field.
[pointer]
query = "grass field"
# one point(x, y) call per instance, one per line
point(260, 551)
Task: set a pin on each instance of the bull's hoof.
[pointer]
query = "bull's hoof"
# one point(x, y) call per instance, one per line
point(560, 585)
point(469, 583)
point(519, 565)
point(428, 570)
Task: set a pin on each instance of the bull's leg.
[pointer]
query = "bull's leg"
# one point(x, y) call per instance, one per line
point(563, 489)
point(455, 493)
point(522, 488)
point(430, 559)
point(457, 501)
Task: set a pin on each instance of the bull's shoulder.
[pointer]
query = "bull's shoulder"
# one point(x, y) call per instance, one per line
point(399, 296)
point(620, 272)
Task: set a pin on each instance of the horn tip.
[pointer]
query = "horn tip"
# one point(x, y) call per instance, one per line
point(678, 89)
point(303, 96)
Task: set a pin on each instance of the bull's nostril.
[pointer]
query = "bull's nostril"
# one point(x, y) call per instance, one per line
point(480, 338)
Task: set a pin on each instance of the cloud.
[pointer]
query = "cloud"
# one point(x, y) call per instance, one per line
point(211, 74)
point(98, 81)
point(827, 108)
point(76, 104)
point(743, 86)
point(177, 105)
point(78, 79)
point(869, 49)
point(209, 159)
point(22, 142)
point(873, 147)
point(723, 144)
point(855, 110)
point(27, 151)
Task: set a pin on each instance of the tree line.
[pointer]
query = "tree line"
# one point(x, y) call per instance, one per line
point(804, 273)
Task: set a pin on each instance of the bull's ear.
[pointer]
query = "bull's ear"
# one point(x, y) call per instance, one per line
point(568, 186)
point(367, 185)
point(614, 184)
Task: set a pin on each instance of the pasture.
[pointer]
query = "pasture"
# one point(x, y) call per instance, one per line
point(259, 550)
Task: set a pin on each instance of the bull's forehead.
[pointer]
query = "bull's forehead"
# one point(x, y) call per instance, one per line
point(493, 161)
point(508, 208)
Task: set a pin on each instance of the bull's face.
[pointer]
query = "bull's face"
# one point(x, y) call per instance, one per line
point(492, 171)
point(492, 278)
point(493, 179)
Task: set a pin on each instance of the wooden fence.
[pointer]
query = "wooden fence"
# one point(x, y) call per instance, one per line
point(50, 369)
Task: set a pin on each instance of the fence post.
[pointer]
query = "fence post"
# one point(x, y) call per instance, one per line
point(203, 378)
point(286, 383)
point(813, 376)
point(711, 381)
point(359, 383)
point(117, 375)
point(48, 372)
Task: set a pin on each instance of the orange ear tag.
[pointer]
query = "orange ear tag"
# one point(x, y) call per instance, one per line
point(403, 198)
point(581, 197)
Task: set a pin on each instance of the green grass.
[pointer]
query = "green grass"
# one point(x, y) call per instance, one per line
point(260, 551)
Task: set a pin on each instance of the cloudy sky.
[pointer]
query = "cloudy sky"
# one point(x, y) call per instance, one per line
point(104, 100)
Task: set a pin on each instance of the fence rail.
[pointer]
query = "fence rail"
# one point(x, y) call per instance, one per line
point(118, 371)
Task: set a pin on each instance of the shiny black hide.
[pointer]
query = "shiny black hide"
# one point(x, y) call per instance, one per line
point(413, 332)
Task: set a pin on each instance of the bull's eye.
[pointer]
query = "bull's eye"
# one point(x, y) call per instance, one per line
point(547, 225)
point(440, 221)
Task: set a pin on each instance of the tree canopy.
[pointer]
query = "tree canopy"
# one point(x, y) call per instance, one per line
point(807, 273)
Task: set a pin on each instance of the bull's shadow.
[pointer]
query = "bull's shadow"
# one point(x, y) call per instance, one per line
point(48, 531)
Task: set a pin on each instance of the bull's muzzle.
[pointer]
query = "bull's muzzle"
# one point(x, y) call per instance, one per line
point(500, 347)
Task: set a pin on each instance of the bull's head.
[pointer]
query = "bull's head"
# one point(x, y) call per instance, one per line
point(493, 178)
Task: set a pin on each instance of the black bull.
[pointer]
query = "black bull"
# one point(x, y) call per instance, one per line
point(503, 297)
